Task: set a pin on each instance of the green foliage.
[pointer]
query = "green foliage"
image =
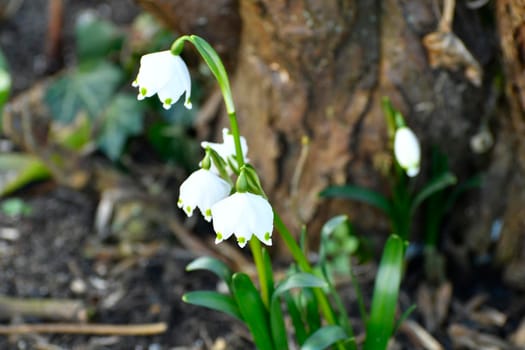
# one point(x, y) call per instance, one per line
point(215, 301)
point(5, 84)
point(20, 170)
point(172, 144)
point(359, 194)
point(15, 207)
point(96, 38)
point(325, 337)
point(252, 310)
point(122, 119)
point(89, 88)
point(338, 244)
point(381, 322)
point(213, 265)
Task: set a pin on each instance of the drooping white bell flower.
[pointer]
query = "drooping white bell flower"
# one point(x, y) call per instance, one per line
point(243, 214)
point(202, 189)
point(226, 149)
point(407, 151)
point(166, 75)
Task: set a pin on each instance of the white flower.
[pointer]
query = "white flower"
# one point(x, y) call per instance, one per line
point(226, 149)
point(243, 214)
point(166, 75)
point(202, 189)
point(407, 150)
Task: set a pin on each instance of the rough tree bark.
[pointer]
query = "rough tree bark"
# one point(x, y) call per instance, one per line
point(320, 69)
point(317, 70)
point(511, 248)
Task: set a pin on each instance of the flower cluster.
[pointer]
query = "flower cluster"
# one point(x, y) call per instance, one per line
point(243, 213)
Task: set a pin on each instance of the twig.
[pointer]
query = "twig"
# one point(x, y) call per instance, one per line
point(95, 329)
point(445, 24)
point(56, 309)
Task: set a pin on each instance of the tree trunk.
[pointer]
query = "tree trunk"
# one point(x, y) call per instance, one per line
point(308, 84)
point(511, 247)
point(319, 70)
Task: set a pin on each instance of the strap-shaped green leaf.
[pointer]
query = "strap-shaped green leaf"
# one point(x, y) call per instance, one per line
point(213, 265)
point(327, 231)
point(252, 310)
point(436, 184)
point(213, 300)
point(297, 320)
point(297, 280)
point(324, 337)
point(360, 194)
point(381, 322)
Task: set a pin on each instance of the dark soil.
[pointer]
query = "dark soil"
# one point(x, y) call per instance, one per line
point(51, 255)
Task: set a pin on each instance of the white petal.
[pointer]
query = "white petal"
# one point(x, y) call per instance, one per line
point(226, 149)
point(244, 214)
point(184, 76)
point(164, 74)
point(202, 189)
point(407, 150)
point(156, 69)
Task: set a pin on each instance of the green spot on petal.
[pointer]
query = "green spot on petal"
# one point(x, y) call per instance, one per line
point(219, 236)
point(267, 236)
point(188, 209)
point(143, 91)
point(179, 201)
point(168, 101)
point(241, 240)
point(208, 212)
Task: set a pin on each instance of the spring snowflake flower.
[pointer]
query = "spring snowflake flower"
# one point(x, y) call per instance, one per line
point(243, 214)
point(226, 149)
point(407, 151)
point(202, 189)
point(166, 75)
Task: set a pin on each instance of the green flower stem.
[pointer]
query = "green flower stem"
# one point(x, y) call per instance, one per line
point(236, 138)
point(256, 249)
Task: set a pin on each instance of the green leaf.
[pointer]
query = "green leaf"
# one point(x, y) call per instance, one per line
point(214, 301)
point(214, 62)
point(20, 170)
point(298, 280)
point(328, 243)
point(88, 88)
point(122, 119)
point(360, 194)
point(5, 84)
point(96, 38)
point(310, 307)
point(173, 144)
point(15, 207)
point(471, 183)
point(436, 184)
point(324, 337)
point(213, 265)
point(404, 316)
point(252, 310)
point(380, 325)
point(297, 321)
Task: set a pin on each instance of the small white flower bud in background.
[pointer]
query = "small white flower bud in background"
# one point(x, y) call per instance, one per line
point(407, 151)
